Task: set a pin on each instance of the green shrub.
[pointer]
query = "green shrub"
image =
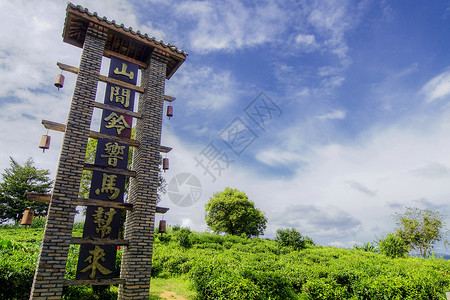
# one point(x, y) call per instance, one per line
point(17, 266)
point(292, 238)
point(393, 246)
point(182, 236)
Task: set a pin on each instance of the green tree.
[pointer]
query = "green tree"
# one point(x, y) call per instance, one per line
point(420, 229)
point(393, 246)
point(231, 212)
point(292, 238)
point(18, 180)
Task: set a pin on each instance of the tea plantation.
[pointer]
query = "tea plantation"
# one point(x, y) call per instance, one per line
point(233, 267)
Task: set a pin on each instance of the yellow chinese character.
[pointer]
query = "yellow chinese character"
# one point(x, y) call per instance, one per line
point(122, 98)
point(113, 152)
point(109, 186)
point(103, 220)
point(124, 72)
point(96, 255)
point(115, 121)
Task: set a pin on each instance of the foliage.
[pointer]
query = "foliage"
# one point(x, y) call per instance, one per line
point(232, 267)
point(393, 246)
point(182, 236)
point(420, 229)
point(292, 238)
point(368, 247)
point(18, 180)
point(231, 212)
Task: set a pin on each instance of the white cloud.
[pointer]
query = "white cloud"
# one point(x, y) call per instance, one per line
point(334, 115)
point(207, 88)
point(277, 157)
point(307, 42)
point(230, 25)
point(438, 87)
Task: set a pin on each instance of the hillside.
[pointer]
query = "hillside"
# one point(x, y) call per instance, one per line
point(232, 267)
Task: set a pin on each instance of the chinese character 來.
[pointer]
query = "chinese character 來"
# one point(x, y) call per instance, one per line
point(94, 257)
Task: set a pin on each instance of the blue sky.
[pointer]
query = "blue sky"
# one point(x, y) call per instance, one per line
point(360, 95)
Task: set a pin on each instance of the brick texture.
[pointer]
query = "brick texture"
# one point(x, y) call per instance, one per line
point(137, 257)
point(49, 276)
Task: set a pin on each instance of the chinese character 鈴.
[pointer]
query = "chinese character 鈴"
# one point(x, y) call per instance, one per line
point(117, 122)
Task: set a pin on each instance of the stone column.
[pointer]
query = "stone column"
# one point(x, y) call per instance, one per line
point(49, 276)
point(139, 226)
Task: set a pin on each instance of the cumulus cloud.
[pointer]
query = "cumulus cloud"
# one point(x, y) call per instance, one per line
point(205, 87)
point(231, 25)
point(318, 220)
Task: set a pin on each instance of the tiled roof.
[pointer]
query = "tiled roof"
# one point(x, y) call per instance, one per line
point(127, 29)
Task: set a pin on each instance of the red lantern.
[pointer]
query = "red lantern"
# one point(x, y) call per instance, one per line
point(165, 164)
point(169, 111)
point(162, 226)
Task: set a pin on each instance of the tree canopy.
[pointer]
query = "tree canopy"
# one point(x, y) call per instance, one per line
point(231, 212)
point(18, 180)
point(420, 229)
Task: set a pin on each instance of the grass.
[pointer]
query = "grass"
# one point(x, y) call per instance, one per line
point(179, 285)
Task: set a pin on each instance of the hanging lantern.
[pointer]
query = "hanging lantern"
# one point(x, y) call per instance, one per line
point(59, 82)
point(169, 111)
point(27, 218)
point(165, 164)
point(45, 142)
point(162, 226)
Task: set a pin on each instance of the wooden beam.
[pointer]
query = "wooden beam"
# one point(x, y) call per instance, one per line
point(98, 135)
point(109, 53)
point(38, 197)
point(121, 83)
point(164, 149)
point(103, 203)
point(111, 281)
point(102, 78)
point(91, 167)
point(117, 109)
point(54, 126)
point(161, 210)
point(119, 139)
point(168, 98)
point(98, 241)
point(92, 134)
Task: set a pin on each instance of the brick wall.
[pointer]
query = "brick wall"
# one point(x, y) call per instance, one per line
point(137, 257)
point(49, 276)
